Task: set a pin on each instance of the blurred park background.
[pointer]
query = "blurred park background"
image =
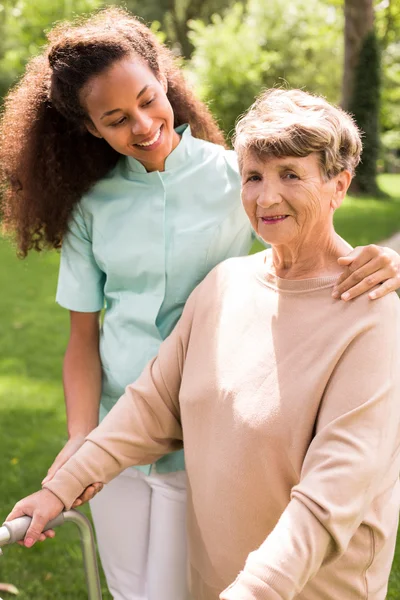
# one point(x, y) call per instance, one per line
point(347, 50)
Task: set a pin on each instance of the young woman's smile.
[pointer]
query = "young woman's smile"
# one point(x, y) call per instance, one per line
point(129, 108)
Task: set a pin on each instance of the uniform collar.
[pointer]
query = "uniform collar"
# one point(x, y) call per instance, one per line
point(177, 157)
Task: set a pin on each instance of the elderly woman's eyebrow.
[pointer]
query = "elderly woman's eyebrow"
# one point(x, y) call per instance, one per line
point(290, 165)
point(251, 171)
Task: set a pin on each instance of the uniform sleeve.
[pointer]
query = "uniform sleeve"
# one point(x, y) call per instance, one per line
point(80, 281)
point(352, 458)
point(143, 426)
point(234, 236)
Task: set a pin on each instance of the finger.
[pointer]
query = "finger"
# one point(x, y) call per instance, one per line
point(57, 464)
point(345, 260)
point(46, 535)
point(346, 273)
point(50, 533)
point(372, 281)
point(365, 252)
point(50, 473)
point(15, 513)
point(98, 486)
point(391, 285)
point(369, 275)
point(90, 492)
point(35, 529)
point(386, 258)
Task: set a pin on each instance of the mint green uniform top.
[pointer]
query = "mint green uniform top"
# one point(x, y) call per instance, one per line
point(139, 243)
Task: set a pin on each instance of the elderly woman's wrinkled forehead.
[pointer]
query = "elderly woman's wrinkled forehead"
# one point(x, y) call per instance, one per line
point(253, 157)
point(255, 161)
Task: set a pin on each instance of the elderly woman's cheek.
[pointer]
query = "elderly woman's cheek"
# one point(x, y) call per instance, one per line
point(250, 207)
point(311, 205)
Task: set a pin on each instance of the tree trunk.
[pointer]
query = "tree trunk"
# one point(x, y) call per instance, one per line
point(359, 22)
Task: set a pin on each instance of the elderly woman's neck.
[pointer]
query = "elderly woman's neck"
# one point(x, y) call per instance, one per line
point(309, 258)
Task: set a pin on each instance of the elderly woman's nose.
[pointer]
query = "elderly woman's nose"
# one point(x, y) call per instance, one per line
point(269, 195)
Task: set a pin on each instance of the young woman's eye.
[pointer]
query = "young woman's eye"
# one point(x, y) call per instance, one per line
point(119, 122)
point(149, 102)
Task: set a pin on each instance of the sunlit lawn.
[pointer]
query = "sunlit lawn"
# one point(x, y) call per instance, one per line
point(33, 334)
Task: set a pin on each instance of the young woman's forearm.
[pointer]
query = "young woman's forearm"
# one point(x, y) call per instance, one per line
point(82, 374)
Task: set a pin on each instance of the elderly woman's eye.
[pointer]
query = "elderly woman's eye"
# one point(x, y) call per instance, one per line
point(253, 178)
point(290, 176)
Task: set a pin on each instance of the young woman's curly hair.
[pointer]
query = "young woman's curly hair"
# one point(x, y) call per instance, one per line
point(48, 159)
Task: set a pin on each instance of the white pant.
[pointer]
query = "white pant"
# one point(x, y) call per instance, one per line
point(140, 524)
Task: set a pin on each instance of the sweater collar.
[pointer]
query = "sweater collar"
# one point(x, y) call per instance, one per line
point(293, 286)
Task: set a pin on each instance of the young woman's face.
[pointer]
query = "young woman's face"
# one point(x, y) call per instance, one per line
point(129, 108)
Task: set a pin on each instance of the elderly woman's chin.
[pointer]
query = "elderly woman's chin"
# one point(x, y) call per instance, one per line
point(276, 231)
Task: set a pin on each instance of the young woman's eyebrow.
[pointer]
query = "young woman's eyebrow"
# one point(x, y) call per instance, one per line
point(114, 110)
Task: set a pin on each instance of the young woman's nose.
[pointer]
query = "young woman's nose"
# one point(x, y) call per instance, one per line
point(142, 124)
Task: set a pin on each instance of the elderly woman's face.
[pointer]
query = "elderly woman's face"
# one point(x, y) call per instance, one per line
point(286, 198)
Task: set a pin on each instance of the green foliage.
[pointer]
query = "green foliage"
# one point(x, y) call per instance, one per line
point(263, 44)
point(22, 27)
point(390, 108)
point(365, 107)
point(174, 16)
point(387, 20)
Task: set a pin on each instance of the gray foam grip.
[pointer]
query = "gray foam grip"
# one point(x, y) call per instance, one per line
point(18, 527)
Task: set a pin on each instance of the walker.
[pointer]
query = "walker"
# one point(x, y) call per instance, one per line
point(14, 531)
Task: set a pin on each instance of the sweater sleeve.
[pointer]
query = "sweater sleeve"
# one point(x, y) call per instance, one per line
point(143, 425)
point(353, 455)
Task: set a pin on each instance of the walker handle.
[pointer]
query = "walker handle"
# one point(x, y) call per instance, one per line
point(17, 528)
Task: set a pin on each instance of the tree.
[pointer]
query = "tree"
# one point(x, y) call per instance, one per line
point(358, 23)
point(265, 44)
point(364, 105)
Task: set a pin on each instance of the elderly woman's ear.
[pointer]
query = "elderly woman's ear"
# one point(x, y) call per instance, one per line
point(341, 185)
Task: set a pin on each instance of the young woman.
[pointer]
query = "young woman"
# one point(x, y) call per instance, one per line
point(105, 150)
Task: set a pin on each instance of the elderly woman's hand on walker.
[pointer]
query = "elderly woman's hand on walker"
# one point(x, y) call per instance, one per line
point(42, 507)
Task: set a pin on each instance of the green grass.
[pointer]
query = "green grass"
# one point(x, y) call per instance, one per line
point(366, 220)
point(33, 335)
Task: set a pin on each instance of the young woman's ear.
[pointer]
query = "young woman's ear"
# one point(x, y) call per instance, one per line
point(92, 129)
point(342, 182)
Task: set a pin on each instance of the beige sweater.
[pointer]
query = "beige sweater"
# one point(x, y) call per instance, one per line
point(289, 404)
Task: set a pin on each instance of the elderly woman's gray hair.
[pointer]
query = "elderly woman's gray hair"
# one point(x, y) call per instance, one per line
point(295, 123)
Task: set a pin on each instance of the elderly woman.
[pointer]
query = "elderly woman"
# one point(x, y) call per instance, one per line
point(287, 400)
